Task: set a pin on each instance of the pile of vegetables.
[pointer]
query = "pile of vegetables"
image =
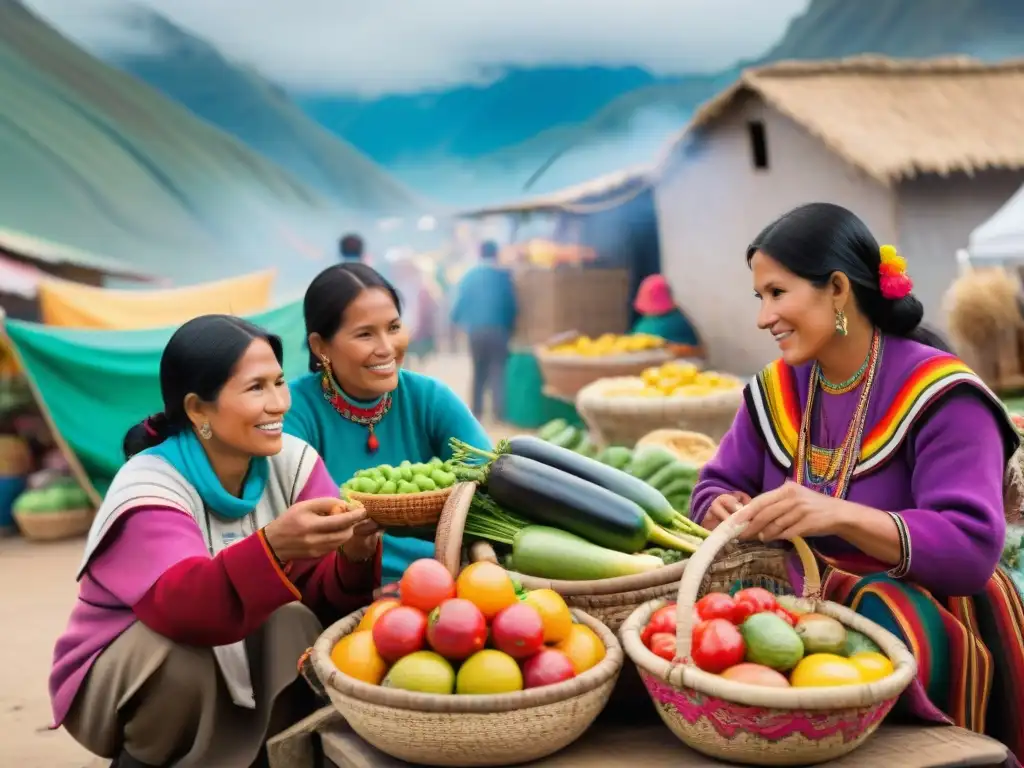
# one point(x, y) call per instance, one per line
point(475, 635)
point(60, 496)
point(755, 638)
point(434, 475)
point(566, 516)
point(655, 465)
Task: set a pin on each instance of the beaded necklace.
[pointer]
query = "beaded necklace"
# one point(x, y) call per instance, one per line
point(844, 386)
point(369, 417)
point(835, 480)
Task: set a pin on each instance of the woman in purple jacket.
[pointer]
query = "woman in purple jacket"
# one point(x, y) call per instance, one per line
point(872, 441)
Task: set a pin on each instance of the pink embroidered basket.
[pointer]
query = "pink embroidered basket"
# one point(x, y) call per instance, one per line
point(757, 725)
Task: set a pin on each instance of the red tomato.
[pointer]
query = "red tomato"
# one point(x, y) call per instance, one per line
point(426, 584)
point(547, 668)
point(518, 631)
point(456, 629)
point(399, 632)
point(664, 645)
point(717, 646)
point(662, 620)
point(754, 600)
point(785, 615)
point(716, 605)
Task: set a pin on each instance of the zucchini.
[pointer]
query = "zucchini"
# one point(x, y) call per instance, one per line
point(616, 456)
point(674, 470)
point(551, 553)
point(569, 438)
point(628, 487)
point(648, 460)
point(552, 497)
point(552, 428)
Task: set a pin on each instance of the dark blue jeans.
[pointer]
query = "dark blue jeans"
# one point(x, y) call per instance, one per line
point(488, 348)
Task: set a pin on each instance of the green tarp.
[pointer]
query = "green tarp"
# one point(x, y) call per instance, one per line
point(96, 384)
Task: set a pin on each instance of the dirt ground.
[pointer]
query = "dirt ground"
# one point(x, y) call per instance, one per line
point(37, 597)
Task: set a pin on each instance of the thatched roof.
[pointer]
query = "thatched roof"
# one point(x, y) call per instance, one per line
point(590, 196)
point(894, 118)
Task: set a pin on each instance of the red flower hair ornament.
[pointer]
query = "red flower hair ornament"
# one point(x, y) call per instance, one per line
point(893, 278)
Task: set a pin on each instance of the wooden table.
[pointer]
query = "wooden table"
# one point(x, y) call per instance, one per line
point(613, 743)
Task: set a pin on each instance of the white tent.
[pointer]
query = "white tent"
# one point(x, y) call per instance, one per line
point(1001, 238)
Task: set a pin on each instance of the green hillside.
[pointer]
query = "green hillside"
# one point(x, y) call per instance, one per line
point(94, 158)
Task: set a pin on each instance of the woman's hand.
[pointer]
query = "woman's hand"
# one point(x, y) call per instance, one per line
point(791, 510)
point(723, 506)
point(313, 528)
point(364, 542)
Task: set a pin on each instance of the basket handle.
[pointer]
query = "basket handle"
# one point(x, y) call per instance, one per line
point(450, 527)
point(699, 562)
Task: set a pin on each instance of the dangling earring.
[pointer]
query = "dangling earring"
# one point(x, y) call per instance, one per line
point(204, 431)
point(326, 377)
point(841, 328)
point(325, 362)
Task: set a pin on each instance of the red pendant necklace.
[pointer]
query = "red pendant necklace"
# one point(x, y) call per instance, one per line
point(368, 417)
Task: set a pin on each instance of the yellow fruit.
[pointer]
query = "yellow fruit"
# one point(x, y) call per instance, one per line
point(553, 612)
point(356, 656)
point(488, 587)
point(489, 671)
point(824, 670)
point(423, 672)
point(583, 647)
point(872, 665)
point(375, 611)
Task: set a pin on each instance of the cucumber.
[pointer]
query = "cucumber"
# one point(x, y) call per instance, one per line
point(552, 428)
point(550, 553)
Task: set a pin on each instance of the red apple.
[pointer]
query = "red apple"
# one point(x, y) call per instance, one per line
point(456, 629)
point(518, 631)
point(403, 633)
point(547, 668)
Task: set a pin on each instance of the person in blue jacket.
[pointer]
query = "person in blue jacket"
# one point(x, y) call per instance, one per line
point(485, 308)
point(357, 407)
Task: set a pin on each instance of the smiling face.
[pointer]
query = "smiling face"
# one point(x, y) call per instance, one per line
point(800, 315)
point(369, 346)
point(247, 415)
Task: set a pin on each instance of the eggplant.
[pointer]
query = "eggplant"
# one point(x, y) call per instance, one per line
point(648, 498)
point(556, 498)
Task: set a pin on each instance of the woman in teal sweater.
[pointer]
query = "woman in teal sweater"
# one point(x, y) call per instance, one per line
point(357, 407)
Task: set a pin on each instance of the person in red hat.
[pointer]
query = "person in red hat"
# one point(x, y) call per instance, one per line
point(659, 314)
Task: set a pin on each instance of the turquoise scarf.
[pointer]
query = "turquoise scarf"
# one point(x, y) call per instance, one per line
point(185, 453)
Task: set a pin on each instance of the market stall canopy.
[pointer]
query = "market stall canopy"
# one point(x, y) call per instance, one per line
point(73, 305)
point(92, 385)
point(1002, 236)
point(602, 193)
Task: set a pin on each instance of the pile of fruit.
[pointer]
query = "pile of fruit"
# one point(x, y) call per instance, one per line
point(672, 379)
point(60, 496)
point(477, 634)
point(756, 638)
point(607, 345)
point(435, 475)
point(655, 465)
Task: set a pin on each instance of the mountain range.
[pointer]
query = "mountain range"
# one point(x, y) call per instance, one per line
point(94, 158)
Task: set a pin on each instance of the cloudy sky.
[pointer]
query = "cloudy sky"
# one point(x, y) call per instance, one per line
point(389, 46)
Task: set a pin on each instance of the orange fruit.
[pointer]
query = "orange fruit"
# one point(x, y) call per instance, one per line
point(824, 670)
point(872, 665)
point(583, 647)
point(356, 656)
point(553, 612)
point(375, 611)
point(488, 587)
point(489, 671)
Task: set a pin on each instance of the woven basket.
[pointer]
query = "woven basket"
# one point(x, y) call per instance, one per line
point(609, 600)
point(566, 375)
point(53, 526)
point(750, 724)
point(499, 729)
point(624, 419)
point(691, 447)
point(398, 510)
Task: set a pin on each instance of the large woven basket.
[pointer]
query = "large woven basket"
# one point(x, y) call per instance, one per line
point(623, 419)
point(609, 600)
point(566, 375)
point(499, 729)
point(54, 526)
point(398, 510)
point(750, 724)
